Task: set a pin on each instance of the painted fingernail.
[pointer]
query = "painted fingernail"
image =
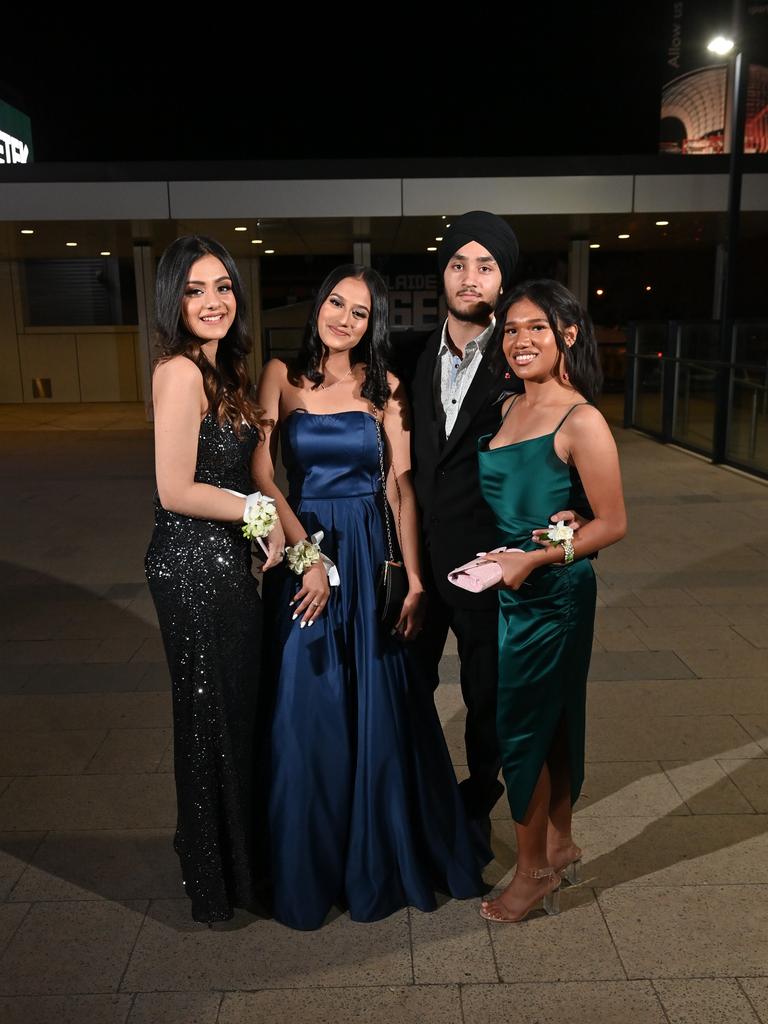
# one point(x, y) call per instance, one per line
point(294, 616)
point(303, 624)
point(311, 622)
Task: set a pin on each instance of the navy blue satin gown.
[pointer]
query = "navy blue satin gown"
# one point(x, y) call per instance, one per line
point(365, 812)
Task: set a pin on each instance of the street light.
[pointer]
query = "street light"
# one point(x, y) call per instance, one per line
point(732, 45)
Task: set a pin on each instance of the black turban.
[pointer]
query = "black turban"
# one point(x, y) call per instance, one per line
point(490, 231)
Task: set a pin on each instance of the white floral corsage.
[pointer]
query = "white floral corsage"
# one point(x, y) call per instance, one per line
point(259, 517)
point(562, 535)
point(301, 555)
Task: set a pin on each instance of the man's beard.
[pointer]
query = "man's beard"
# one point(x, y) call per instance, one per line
point(480, 313)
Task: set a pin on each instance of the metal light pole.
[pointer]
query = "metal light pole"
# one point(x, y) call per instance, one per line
point(739, 74)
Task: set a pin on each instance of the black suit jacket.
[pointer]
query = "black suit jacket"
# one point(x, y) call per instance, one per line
point(456, 521)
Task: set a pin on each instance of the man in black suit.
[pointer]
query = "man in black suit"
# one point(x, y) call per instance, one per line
point(456, 391)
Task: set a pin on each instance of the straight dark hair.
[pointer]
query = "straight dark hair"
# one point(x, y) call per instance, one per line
point(577, 365)
point(373, 348)
point(227, 385)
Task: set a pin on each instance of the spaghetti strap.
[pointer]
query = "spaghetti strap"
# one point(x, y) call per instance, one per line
point(509, 408)
point(562, 421)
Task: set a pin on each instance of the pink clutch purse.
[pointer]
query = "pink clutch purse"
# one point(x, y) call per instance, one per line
point(478, 574)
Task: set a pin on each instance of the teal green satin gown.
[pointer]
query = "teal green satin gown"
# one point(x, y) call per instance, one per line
point(545, 627)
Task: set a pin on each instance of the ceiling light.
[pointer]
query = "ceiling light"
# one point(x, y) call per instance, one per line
point(256, 241)
point(443, 216)
point(438, 238)
point(624, 236)
point(647, 287)
point(661, 223)
point(720, 45)
point(27, 231)
point(269, 251)
point(71, 245)
point(105, 252)
point(599, 291)
point(241, 229)
point(594, 245)
point(431, 248)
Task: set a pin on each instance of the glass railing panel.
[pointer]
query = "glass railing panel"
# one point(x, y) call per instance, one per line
point(748, 424)
point(700, 341)
point(649, 382)
point(694, 411)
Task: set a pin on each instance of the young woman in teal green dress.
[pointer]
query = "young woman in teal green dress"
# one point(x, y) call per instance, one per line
point(552, 450)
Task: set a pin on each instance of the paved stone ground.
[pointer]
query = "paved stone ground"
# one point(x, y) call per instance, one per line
point(672, 925)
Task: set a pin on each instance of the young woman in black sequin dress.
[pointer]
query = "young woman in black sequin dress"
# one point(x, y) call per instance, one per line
point(199, 568)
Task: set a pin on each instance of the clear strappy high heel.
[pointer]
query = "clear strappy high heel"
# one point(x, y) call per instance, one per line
point(550, 901)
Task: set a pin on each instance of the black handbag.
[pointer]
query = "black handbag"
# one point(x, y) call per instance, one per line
point(391, 578)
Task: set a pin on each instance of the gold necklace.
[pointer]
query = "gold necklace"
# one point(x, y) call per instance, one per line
point(325, 387)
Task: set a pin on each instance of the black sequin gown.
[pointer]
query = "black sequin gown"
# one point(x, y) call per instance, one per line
point(199, 574)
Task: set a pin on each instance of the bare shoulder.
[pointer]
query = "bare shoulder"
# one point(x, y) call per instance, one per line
point(587, 419)
point(393, 381)
point(177, 370)
point(178, 377)
point(275, 369)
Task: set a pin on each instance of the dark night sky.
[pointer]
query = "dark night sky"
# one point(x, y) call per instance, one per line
point(570, 79)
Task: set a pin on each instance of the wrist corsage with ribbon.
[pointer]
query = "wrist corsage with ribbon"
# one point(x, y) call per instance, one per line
point(561, 535)
point(259, 517)
point(305, 553)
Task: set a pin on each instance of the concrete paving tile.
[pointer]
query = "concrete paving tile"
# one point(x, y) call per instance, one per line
point(742, 615)
point(97, 936)
point(449, 670)
point(667, 739)
point(176, 1008)
point(48, 753)
point(601, 1002)
point(757, 727)
point(89, 802)
point(451, 945)
point(155, 676)
point(11, 917)
point(454, 738)
point(130, 750)
point(684, 638)
point(573, 946)
point(84, 678)
point(64, 1009)
point(14, 678)
point(40, 652)
point(115, 865)
point(756, 990)
point(449, 702)
point(665, 597)
point(617, 665)
point(616, 619)
point(732, 595)
point(416, 1004)
point(41, 712)
point(689, 931)
point(693, 850)
point(149, 650)
point(706, 787)
point(618, 640)
point(175, 953)
point(16, 850)
point(751, 778)
point(627, 789)
point(612, 597)
point(680, 617)
point(115, 649)
point(704, 1001)
point(755, 633)
point(737, 696)
point(732, 661)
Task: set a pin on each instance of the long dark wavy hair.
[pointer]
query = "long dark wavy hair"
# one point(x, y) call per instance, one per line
point(373, 348)
point(227, 385)
point(577, 365)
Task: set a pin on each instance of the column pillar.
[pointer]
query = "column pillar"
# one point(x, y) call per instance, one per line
point(144, 269)
point(578, 269)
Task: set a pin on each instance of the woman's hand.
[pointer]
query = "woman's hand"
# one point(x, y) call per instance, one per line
point(310, 600)
point(273, 546)
point(411, 619)
point(516, 567)
point(569, 517)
